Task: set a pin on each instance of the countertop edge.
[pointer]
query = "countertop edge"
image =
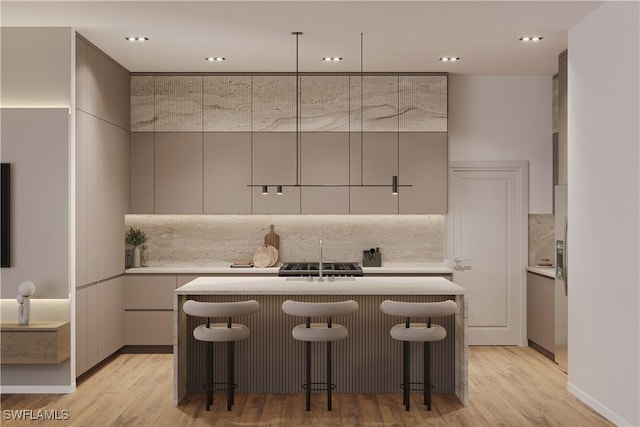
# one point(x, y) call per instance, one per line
point(549, 272)
point(274, 270)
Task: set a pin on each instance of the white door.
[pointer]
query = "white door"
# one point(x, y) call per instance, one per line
point(489, 208)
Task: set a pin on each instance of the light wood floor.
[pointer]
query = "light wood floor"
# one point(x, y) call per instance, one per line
point(509, 386)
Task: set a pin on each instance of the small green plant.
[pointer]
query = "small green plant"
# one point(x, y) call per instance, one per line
point(135, 236)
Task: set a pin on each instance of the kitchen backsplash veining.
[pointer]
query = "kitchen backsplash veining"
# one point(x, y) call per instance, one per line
point(541, 237)
point(215, 238)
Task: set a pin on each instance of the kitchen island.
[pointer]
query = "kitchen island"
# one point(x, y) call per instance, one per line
point(368, 361)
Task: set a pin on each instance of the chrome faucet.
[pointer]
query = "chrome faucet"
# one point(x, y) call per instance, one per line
point(320, 279)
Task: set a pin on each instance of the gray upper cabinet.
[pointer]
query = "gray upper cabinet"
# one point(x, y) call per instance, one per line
point(274, 163)
point(178, 173)
point(102, 86)
point(213, 140)
point(377, 159)
point(142, 173)
point(423, 164)
point(227, 173)
point(324, 161)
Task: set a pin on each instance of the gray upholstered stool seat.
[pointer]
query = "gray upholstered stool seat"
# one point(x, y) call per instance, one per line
point(426, 333)
point(319, 332)
point(228, 332)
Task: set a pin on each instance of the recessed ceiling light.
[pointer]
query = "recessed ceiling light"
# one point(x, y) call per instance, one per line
point(332, 59)
point(530, 38)
point(137, 39)
point(215, 58)
point(449, 59)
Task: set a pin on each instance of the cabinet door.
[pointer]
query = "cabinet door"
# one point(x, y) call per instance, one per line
point(110, 317)
point(227, 173)
point(377, 160)
point(141, 170)
point(324, 161)
point(114, 89)
point(148, 327)
point(82, 331)
point(86, 329)
point(178, 173)
point(113, 200)
point(149, 292)
point(423, 164)
point(541, 311)
point(274, 163)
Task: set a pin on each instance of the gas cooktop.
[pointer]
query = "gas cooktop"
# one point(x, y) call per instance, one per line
point(313, 269)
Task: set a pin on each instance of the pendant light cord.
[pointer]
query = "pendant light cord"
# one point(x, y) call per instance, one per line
point(297, 34)
point(361, 110)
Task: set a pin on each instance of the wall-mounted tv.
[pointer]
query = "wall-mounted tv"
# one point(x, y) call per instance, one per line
point(5, 209)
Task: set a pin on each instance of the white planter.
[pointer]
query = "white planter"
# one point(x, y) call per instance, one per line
point(136, 257)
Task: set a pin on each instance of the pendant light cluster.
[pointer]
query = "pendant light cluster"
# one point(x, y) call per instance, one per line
point(279, 188)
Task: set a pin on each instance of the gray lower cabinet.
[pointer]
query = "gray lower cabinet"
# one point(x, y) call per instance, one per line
point(148, 308)
point(541, 312)
point(227, 173)
point(178, 173)
point(86, 329)
point(324, 160)
point(99, 322)
point(423, 164)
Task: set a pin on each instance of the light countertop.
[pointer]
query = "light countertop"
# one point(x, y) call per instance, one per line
point(300, 286)
point(219, 267)
point(543, 271)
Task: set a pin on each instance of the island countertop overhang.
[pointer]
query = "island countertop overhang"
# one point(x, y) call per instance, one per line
point(300, 286)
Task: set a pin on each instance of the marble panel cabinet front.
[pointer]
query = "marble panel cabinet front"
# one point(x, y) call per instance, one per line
point(259, 104)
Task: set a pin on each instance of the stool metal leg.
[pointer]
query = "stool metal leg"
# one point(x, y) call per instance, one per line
point(209, 370)
point(229, 374)
point(329, 375)
point(308, 374)
point(427, 375)
point(233, 372)
point(406, 374)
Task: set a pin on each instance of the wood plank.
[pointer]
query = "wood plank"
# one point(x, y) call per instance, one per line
point(509, 386)
point(35, 343)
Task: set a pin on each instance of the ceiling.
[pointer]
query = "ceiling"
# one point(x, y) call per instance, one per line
point(256, 36)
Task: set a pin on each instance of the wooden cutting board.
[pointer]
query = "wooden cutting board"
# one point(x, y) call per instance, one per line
point(273, 240)
point(262, 257)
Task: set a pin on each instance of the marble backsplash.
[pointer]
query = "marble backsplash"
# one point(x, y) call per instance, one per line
point(206, 238)
point(541, 238)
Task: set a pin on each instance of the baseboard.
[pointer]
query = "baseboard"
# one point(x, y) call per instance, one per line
point(146, 349)
point(546, 353)
point(597, 406)
point(37, 389)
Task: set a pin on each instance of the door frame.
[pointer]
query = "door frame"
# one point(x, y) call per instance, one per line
point(521, 237)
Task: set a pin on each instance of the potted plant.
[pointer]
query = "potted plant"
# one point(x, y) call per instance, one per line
point(135, 237)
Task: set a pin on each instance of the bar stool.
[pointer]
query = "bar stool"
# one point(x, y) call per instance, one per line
point(319, 332)
point(220, 332)
point(408, 332)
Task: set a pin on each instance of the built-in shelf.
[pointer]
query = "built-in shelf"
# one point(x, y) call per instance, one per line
point(44, 342)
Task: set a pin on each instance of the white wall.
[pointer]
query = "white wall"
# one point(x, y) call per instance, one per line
point(505, 118)
point(36, 139)
point(36, 67)
point(604, 211)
